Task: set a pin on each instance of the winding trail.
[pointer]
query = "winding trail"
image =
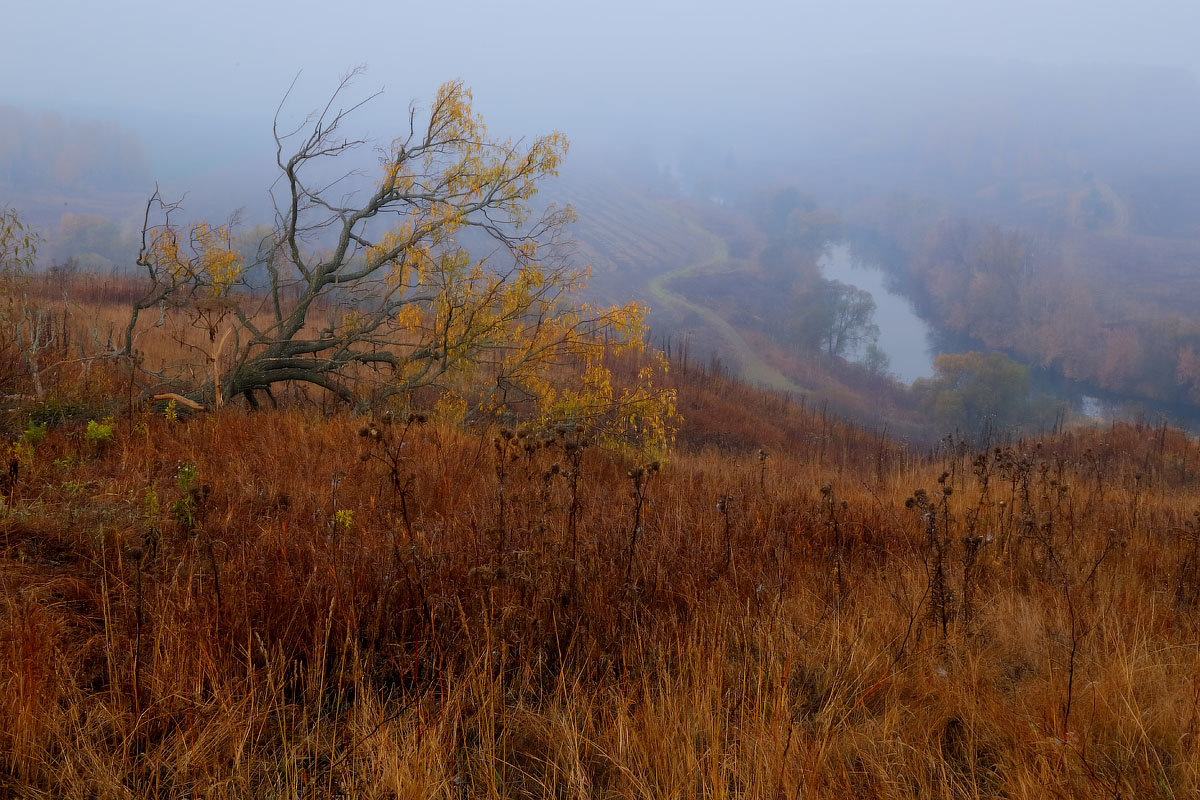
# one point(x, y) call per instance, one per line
point(754, 368)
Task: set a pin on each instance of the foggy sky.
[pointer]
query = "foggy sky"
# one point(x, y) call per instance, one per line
point(760, 82)
point(532, 62)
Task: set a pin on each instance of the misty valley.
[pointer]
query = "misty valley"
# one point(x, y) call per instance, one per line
point(643, 401)
point(1059, 253)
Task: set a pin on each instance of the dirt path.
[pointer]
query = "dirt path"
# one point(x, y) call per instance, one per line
point(754, 368)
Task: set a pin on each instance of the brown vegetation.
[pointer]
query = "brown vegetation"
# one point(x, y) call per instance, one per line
point(291, 603)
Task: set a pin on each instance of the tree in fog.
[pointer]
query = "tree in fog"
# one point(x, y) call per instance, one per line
point(373, 294)
point(969, 390)
point(835, 319)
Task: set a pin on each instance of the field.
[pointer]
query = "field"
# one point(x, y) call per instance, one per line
point(298, 602)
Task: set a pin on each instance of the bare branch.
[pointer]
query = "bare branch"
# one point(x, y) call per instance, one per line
point(365, 311)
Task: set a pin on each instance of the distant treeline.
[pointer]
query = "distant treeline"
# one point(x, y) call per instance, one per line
point(1043, 302)
point(42, 151)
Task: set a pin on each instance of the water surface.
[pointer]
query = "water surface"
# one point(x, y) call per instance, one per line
point(902, 334)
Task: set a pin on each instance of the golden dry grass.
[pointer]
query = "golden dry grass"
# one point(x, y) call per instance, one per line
point(240, 605)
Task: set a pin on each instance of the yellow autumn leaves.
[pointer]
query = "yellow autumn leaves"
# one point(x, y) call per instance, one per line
point(523, 325)
point(454, 164)
point(208, 260)
point(463, 289)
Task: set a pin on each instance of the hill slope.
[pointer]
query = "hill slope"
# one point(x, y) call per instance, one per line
point(272, 603)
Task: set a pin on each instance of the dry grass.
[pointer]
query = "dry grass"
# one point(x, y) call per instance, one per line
point(241, 605)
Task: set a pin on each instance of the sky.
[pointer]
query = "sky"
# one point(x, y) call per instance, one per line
point(530, 59)
point(199, 82)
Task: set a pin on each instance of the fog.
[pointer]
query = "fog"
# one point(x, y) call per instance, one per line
point(646, 72)
point(1013, 166)
point(849, 100)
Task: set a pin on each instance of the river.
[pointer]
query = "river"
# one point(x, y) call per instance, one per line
point(903, 336)
point(909, 343)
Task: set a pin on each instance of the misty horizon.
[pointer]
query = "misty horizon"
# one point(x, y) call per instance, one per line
point(928, 138)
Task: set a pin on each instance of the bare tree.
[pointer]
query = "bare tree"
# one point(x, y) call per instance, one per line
point(373, 293)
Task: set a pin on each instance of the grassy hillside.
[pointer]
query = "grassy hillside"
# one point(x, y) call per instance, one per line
point(289, 603)
point(704, 273)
